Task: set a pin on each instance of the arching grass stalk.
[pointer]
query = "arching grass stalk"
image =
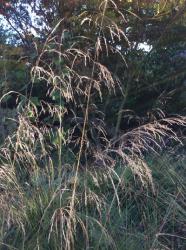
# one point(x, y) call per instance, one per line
point(83, 131)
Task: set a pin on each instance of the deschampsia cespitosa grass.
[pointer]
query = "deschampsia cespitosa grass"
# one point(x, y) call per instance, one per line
point(68, 183)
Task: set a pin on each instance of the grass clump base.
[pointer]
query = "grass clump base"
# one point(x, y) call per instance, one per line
point(112, 208)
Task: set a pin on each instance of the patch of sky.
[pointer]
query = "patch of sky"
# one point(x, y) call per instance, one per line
point(145, 46)
point(35, 26)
